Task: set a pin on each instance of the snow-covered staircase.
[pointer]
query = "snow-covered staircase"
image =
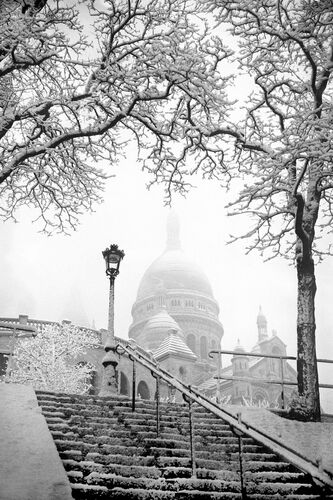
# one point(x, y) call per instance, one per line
point(109, 451)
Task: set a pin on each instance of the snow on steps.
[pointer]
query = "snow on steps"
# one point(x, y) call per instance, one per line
point(109, 451)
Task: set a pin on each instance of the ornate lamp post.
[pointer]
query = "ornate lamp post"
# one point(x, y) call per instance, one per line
point(112, 257)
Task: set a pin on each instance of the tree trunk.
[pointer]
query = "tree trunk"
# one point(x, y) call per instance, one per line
point(307, 372)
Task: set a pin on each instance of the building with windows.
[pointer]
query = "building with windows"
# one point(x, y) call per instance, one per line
point(253, 377)
point(175, 315)
point(175, 319)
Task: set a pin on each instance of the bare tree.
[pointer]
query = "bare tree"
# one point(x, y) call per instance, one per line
point(52, 360)
point(79, 80)
point(282, 148)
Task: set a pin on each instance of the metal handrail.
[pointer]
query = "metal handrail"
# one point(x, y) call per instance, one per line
point(239, 426)
point(262, 355)
point(283, 381)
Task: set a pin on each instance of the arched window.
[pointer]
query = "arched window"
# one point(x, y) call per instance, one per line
point(124, 384)
point(143, 390)
point(93, 381)
point(182, 372)
point(3, 363)
point(190, 340)
point(260, 397)
point(203, 347)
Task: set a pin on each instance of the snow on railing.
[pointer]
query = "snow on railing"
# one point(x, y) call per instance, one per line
point(238, 426)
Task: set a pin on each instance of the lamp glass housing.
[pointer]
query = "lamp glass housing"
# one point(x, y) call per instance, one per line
point(113, 257)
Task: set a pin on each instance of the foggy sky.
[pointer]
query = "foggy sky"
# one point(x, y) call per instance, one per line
point(63, 277)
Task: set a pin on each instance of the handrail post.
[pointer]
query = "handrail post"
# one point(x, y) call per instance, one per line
point(133, 385)
point(157, 406)
point(191, 421)
point(241, 459)
point(189, 401)
point(241, 471)
point(219, 366)
point(282, 385)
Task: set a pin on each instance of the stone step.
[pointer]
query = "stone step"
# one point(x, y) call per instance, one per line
point(247, 456)
point(265, 496)
point(88, 492)
point(68, 433)
point(267, 466)
point(110, 458)
point(281, 489)
point(91, 441)
point(112, 481)
point(91, 492)
point(280, 477)
point(106, 449)
point(150, 426)
point(148, 471)
point(109, 451)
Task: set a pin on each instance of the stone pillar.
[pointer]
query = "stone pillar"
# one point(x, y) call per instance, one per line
point(109, 385)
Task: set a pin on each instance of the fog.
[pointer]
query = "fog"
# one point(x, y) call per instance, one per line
point(63, 277)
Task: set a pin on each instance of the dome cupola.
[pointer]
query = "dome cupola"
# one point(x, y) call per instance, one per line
point(174, 289)
point(156, 329)
point(173, 270)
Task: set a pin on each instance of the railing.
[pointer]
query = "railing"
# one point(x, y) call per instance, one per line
point(282, 381)
point(239, 426)
point(24, 323)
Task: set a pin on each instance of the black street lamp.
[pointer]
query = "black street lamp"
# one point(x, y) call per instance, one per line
point(112, 257)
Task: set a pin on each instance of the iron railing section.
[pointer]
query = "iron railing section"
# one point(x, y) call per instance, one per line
point(238, 425)
point(8, 323)
point(282, 381)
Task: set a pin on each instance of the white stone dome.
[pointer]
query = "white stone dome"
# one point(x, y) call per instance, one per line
point(173, 271)
point(162, 323)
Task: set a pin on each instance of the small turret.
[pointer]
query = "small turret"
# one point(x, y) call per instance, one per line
point(262, 326)
point(240, 369)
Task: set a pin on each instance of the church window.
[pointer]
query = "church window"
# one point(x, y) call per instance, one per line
point(124, 384)
point(203, 347)
point(143, 390)
point(189, 303)
point(260, 397)
point(190, 340)
point(3, 363)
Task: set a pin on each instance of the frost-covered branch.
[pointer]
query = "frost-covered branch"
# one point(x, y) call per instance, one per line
point(79, 81)
point(52, 360)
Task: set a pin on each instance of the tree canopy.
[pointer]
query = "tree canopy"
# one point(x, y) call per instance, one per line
point(79, 80)
point(52, 360)
point(286, 47)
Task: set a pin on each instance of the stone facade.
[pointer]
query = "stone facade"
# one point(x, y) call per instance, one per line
point(257, 373)
point(176, 320)
point(175, 294)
